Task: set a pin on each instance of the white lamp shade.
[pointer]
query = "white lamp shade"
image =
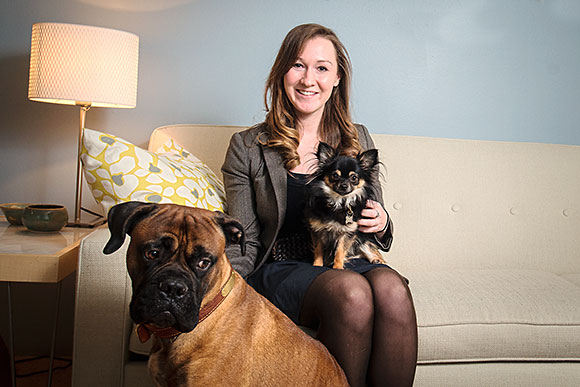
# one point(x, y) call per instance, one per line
point(82, 65)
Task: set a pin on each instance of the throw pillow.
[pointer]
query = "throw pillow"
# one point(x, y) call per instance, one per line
point(118, 171)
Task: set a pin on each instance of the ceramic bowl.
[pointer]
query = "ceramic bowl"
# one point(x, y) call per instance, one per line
point(45, 217)
point(13, 212)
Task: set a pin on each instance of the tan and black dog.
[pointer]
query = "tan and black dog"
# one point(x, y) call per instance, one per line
point(210, 328)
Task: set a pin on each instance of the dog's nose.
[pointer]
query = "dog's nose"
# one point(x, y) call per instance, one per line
point(173, 288)
point(343, 188)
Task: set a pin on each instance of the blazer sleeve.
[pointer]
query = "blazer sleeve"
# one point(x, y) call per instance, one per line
point(386, 240)
point(241, 201)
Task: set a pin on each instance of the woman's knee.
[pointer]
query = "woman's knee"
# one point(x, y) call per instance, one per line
point(356, 297)
point(347, 299)
point(391, 294)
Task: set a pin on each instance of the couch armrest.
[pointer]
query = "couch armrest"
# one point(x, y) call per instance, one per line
point(102, 324)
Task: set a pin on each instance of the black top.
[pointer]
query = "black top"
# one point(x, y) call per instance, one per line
point(293, 241)
point(294, 221)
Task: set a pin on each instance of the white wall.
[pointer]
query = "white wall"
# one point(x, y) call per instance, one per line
point(495, 69)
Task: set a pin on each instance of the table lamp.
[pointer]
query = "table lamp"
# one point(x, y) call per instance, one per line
point(85, 66)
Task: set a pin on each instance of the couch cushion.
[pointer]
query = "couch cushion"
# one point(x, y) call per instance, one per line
point(496, 315)
point(572, 277)
point(465, 204)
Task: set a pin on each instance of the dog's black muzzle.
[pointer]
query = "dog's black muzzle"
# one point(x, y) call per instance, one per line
point(170, 298)
point(343, 188)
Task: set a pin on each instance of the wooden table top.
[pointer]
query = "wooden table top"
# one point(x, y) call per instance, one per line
point(27, 256)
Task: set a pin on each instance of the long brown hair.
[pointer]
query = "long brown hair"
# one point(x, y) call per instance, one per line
point(336, 127)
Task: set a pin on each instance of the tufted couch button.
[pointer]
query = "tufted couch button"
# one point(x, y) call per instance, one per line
point(566, 212)
point(456, 208)
point(514, 211)
point(397, 206)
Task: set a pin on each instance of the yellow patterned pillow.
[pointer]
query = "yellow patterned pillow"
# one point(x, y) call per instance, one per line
point(118, 171)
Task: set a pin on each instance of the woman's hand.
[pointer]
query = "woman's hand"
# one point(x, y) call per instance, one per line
point(374, 218)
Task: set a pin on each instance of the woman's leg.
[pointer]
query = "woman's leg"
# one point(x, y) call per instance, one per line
point(340, 304)
point(394, 344)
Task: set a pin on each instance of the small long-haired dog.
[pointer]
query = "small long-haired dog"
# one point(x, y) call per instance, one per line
point(339, 190)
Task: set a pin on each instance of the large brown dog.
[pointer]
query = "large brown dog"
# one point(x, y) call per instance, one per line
point(210, 327)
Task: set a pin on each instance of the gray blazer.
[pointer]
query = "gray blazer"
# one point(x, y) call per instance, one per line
point(255, 185)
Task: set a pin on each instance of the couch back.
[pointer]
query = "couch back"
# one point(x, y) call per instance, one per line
point(458, 204)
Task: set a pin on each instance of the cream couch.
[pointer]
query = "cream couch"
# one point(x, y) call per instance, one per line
point(488, 234)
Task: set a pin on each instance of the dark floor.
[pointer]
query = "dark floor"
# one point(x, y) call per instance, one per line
point(32, 372)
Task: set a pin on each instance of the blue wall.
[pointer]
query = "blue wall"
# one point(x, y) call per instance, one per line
point(496, 69)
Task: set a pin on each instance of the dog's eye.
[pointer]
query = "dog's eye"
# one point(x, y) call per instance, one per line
point(152, 254)
point(204, 263)
point(354, 179)
point(335, 176)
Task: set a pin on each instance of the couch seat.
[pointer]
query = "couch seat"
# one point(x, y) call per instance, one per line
point(496, 315)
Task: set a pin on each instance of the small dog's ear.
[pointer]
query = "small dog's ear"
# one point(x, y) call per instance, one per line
point(368, 159)
point(325, 153)
point(121, 219)
point(233, 230)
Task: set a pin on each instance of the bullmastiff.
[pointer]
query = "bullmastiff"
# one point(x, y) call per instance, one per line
point(209, 327)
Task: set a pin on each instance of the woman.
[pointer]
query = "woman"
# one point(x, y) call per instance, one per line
point(364, 315)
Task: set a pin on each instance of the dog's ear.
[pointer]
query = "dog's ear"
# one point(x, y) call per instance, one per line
point(368, 159)
point(325, 153)
point(121, 219)
point(233, 230)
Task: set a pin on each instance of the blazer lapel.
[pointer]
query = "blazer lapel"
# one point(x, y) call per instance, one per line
point(277, 174)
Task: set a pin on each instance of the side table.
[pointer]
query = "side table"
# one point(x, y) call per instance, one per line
point(27, 256)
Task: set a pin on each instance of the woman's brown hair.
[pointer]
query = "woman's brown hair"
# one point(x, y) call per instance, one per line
point(336, 127)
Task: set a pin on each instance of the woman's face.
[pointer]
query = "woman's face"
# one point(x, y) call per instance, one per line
point(309, 82)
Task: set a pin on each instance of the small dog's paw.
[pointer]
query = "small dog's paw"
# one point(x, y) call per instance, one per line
point(338, 265)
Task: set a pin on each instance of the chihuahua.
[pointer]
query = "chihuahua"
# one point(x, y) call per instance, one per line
point(339, 190)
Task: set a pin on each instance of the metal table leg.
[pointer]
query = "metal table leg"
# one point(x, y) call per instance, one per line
point(11, 336)
point(54, 330)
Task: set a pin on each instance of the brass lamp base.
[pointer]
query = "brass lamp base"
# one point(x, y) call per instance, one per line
point(92, 224)
point(99, 220)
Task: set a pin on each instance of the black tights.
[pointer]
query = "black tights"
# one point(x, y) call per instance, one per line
point(367, 322)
